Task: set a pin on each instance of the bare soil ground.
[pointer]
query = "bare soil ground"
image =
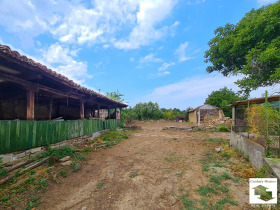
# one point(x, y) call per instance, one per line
point(153, 169)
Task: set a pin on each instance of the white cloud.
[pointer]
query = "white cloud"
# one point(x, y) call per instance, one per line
point(160, 74)
point(60, 59)
point(150, 58)
point(192, 92)
point(181, 52)
point(149, 15)
point(164, 66)
point(101, 21)
point(265, 2)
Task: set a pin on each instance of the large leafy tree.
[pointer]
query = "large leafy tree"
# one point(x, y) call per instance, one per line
point(117, 96)
point(223, 97)
point(250, 48)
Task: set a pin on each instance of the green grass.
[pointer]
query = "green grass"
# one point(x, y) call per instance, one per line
point(205, 167)
point(99, 185)
point(86, 150)
point(215, 140)
point(133, 175)
point(222, 128)
point(206, 190)
point(42, 184)
point(115, 136)
point(217, 179)
point(63, 173)
point(30, 180)
point(76, 166)
point(220, 203)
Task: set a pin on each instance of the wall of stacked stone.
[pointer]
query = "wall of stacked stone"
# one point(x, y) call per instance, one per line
point(16, 157)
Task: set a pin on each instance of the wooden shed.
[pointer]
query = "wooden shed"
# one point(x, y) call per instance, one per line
point(200, 113)
point(40, 107)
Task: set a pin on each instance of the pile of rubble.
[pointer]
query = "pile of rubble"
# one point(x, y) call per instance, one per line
point(218, 121)
point(193, 128)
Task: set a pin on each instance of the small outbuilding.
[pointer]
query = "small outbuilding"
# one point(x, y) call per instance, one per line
point(180, 118)
point(206, 111)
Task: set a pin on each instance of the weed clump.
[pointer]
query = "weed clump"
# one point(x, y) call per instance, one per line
point(222, 128)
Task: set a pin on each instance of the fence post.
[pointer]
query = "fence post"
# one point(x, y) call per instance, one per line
point(266, 116)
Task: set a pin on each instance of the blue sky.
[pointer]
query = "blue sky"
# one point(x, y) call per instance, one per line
point(150, 50)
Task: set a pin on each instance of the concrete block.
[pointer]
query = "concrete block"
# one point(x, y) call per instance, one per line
point(62, 144)
point(67, 163)
point(35, 150)
point(6, 158)
point(64, 159)
point(20, 155)
point(27, 152)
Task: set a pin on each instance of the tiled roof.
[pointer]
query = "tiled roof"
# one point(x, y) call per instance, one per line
point(200, 107)
point(52, 74)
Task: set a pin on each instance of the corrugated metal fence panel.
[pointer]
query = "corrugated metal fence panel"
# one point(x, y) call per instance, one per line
point(21, 135)
point(112, 124)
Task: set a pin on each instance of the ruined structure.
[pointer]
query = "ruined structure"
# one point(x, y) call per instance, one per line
point(206, 111)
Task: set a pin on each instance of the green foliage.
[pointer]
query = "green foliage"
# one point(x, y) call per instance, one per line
point(222, 128)
point(169, 115)
point(99, 185)
point(223, 97)
point(114, 136)
point(33, 203)
point(133, 175)
point(264, 120)
point(115, 96)
point(63, 173)
point(3, 172)
point(148, 111)
point(76, 166)
point(206, 190)
point(30, 180)
point(57, 153)
point(42, 184)
point(251, 51)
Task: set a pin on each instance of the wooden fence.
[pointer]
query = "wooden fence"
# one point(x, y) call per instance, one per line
point(22, 135)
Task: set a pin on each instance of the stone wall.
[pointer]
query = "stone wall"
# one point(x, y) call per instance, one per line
point(192, 117)
point(249, 148)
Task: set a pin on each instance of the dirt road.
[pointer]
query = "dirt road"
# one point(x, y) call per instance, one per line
point(153, 169)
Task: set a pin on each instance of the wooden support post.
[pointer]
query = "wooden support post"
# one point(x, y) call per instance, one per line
point(115, 113)
point(98, 112)
point(51, 104)
point(109, 113)
point(198, 116)
point(233, 116)
point(82, 109)
point(121, 113)
point(30, 105)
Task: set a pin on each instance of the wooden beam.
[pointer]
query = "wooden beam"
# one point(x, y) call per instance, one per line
point(30, 105)
point(31, 85)
point(98, 111)
point(50, 110)
point(82, 109)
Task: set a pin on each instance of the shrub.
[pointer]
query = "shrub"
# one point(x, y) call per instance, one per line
point(222, 128)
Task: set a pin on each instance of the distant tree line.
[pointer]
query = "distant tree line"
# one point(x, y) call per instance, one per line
point(151, 111)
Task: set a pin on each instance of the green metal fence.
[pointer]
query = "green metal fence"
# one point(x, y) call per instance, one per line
point(21, 135)
point(112, 124)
